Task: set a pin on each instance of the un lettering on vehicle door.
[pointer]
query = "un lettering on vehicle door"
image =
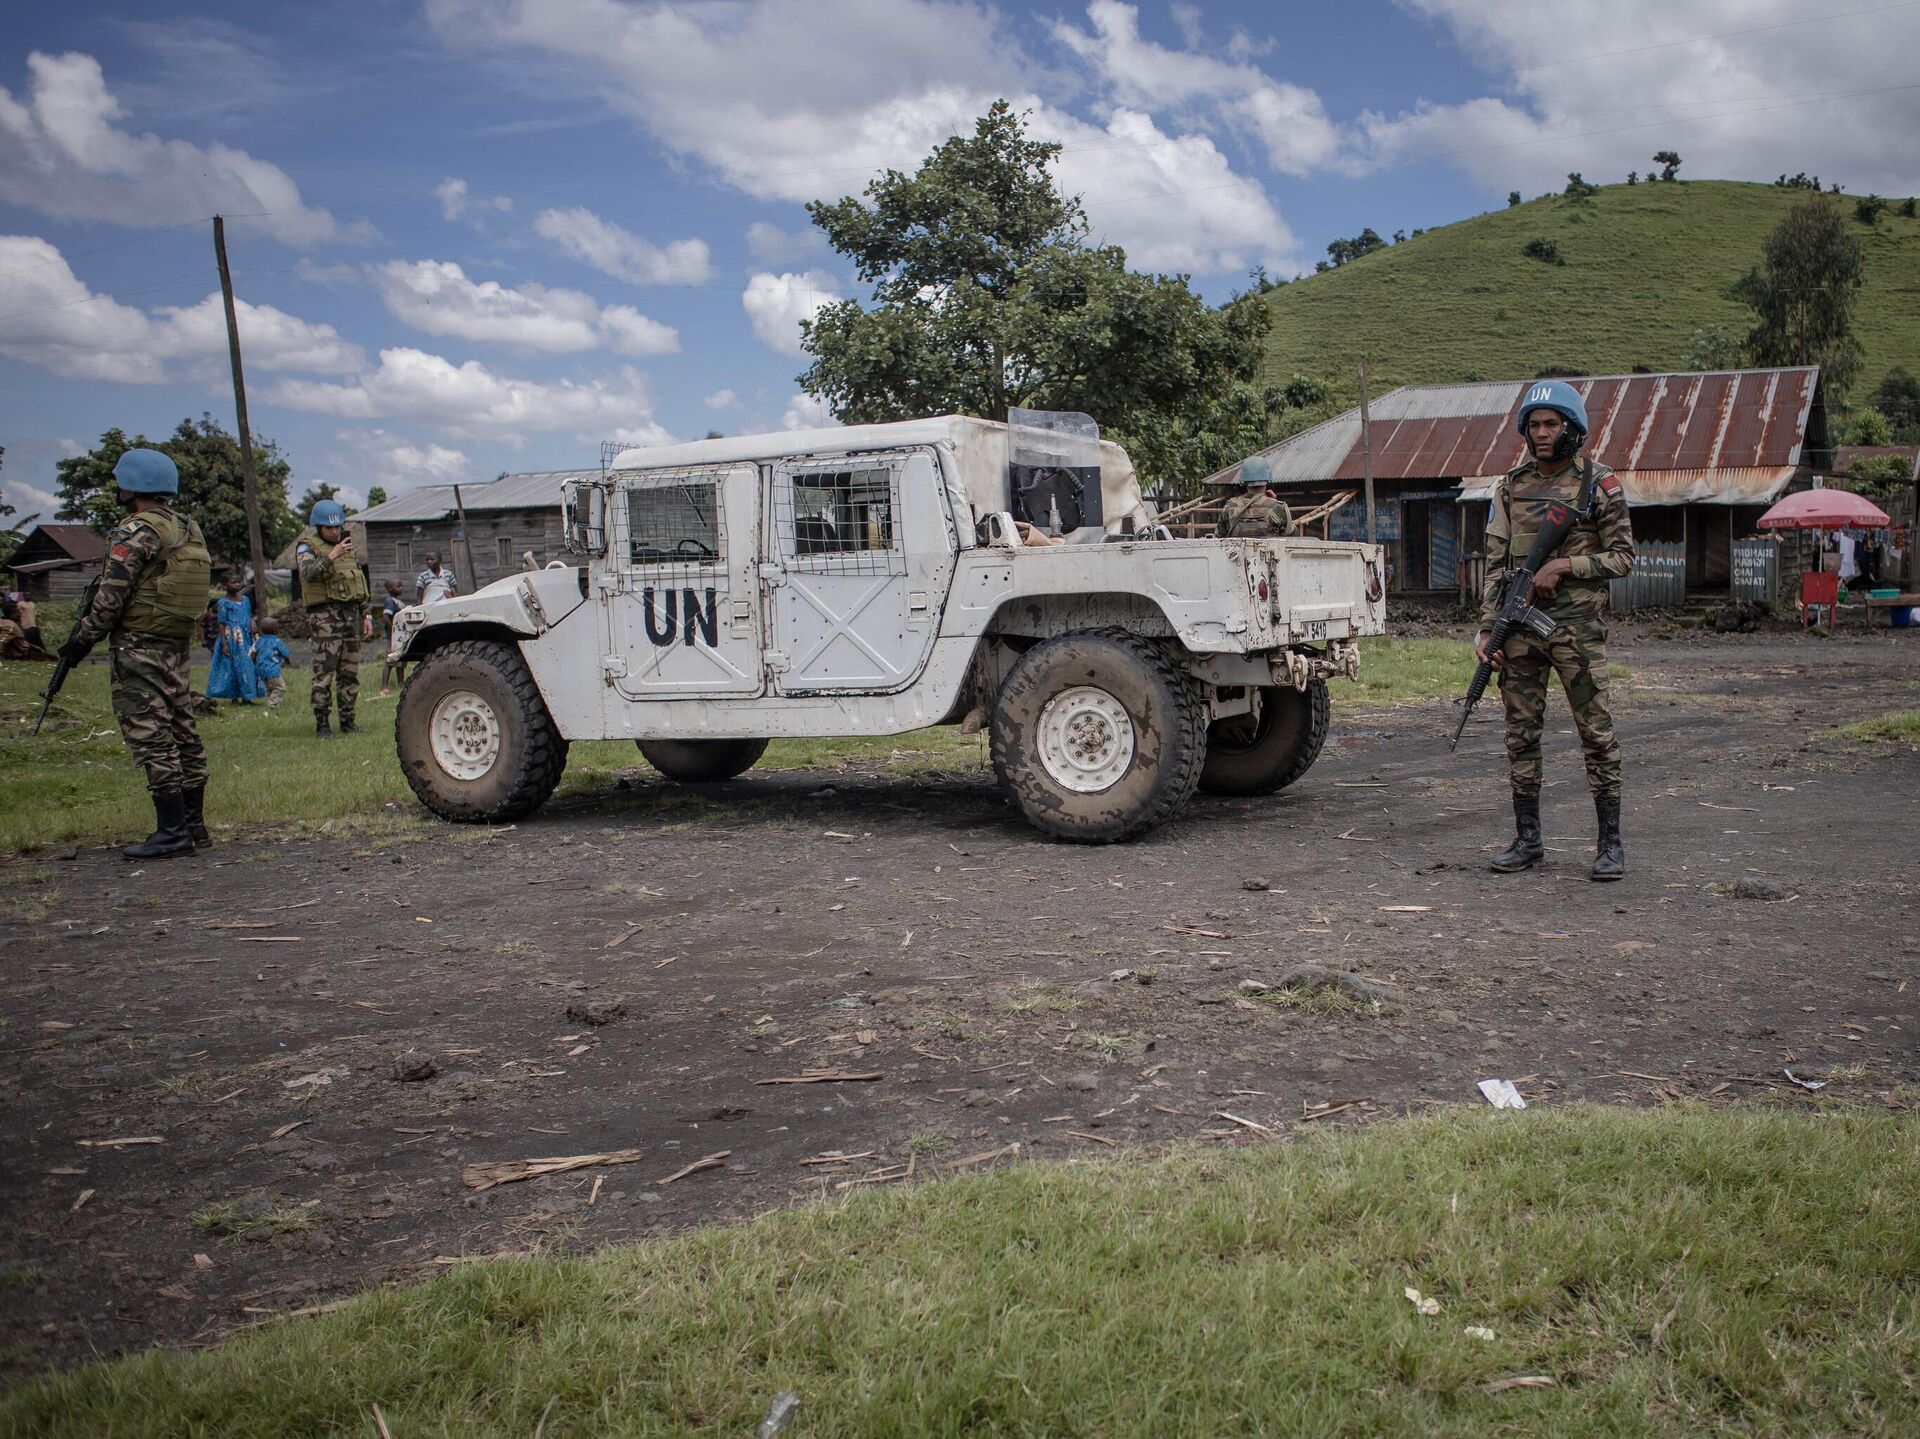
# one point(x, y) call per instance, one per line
point(684, 617)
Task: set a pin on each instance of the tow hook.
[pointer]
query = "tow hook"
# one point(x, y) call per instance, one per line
point(1300, 668)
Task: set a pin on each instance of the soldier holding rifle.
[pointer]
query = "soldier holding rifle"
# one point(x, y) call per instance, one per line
point(1570, 588)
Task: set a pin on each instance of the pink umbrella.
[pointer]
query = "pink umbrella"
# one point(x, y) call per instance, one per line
point(1824, 509)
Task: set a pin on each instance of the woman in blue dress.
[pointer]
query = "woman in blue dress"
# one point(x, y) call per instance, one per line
point(232, 675)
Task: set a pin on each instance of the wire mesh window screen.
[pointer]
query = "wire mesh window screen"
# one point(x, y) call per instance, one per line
point(676, 530)
point(841, 521)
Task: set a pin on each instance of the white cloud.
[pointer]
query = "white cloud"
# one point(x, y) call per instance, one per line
point(722, 400)
point(457, 202)
point(808, 412)
point(29, 502)
point(436, 298)
point(771, 245)
point(927, 69)
point(55, 322)
point(776, 304)
point(1289, 120)
point(618, 252)
point(1174, 203)
point(1599, 91)
point(765, 92)
point(61, 154)
point(470, 399)
point(397, 464)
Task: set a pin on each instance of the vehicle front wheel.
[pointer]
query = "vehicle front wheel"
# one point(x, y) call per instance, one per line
point(1098, 736)
point(1255, 754)
point(702, 761)
point(476, 742)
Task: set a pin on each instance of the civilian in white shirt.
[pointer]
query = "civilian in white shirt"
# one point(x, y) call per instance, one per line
point(434, 584)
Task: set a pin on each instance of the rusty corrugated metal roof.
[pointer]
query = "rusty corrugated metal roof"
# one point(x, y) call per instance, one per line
point(1723, 485)
point(1641, 424)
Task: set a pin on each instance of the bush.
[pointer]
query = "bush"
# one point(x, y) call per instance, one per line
point(1868, 427)
point(1513, 198)
point(1907, 208)
point(1867, 209)
point(1543, 250)
point(1577, 188)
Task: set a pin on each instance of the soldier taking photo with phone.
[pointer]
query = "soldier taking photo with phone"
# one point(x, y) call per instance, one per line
point(334, 590)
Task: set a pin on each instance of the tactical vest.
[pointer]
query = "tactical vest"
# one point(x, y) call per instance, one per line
point(343, 584)
point(1527, 511)
point(172, 594)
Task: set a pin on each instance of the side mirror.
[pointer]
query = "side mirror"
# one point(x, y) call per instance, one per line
point(583, 510)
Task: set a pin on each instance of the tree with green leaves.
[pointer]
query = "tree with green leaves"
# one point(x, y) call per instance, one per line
point(1803, 292)
point(211, 488)
point(1712, 348)
point(1867, 427)
point(986, 296)
point(1898, 398)
point(316, 492)
point(1669, 163)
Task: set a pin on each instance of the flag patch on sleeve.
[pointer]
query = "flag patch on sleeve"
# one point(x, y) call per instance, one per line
point(1610, 485)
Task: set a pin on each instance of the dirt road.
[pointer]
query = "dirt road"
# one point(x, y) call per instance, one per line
point(203, 1123)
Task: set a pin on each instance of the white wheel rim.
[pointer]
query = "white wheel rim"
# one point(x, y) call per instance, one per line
point(1085, 740)
point(466, 735)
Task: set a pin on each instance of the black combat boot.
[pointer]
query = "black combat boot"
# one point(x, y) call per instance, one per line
point(1526, 850)
point(347, 726)
point(321, 729)
point(1610, 858)
point(194, 797)
point(169, 835)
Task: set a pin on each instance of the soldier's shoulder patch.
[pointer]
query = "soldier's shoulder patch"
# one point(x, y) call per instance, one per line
point(1610, 485)
point(304, 549)
point(121, 551)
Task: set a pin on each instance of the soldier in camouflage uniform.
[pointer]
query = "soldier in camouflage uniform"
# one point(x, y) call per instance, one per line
point(1257, 512)
point(1571, 587)
point(147, 603)
point(335, 594)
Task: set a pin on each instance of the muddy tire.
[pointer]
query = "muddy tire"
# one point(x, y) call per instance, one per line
point(476, 742)
point(702, 761)
point(1098, 736)
point(1245, 757)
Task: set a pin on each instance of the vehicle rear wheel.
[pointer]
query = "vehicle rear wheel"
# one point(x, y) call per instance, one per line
point(1098, 736)
point(476, 742)
point(1255, 755)
point(702, 761)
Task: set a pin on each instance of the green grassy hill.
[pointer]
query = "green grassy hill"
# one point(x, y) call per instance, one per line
point(1645, 266)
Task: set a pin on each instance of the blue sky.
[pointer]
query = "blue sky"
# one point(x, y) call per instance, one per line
point(476, 235)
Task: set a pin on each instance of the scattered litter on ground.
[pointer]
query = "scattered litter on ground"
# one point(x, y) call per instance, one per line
point(779, 1414)
point(1425, 1304)
point(1479, 1331)
point(317, 1078)
point(1501, 1094)
point(1521, 1381)
point(1805, 1083)
point(509, 1171)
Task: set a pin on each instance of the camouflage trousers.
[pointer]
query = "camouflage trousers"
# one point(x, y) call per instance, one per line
point(336, 655)
point(153, 701)
point(1577, 651)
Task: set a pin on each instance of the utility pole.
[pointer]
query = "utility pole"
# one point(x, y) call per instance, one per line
point(1366, 447)
point(466, 542)
point(257, 553)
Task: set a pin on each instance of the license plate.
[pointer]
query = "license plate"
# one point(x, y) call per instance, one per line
point(1313, 629)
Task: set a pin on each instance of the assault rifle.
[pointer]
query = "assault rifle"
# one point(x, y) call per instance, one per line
point(1517, 611)
point(65, 666)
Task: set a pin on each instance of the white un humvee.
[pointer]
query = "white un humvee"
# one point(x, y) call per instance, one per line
point(874, 580)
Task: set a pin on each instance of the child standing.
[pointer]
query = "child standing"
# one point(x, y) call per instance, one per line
point(269, 654)
point(231, 676)
point(393, 674)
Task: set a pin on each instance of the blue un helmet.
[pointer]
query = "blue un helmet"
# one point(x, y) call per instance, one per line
point(326, 514)
point(1256, 472)
point(147, 472)
point(1559, 396)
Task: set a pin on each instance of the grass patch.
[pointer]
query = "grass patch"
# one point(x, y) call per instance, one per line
point(1401, 671)
point(1681, 1271)
point(1108, 1046)
point(1902, 726)
point(76, 783)
point(1036, 996)
point(257, 1214)
point(1321, 1000)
